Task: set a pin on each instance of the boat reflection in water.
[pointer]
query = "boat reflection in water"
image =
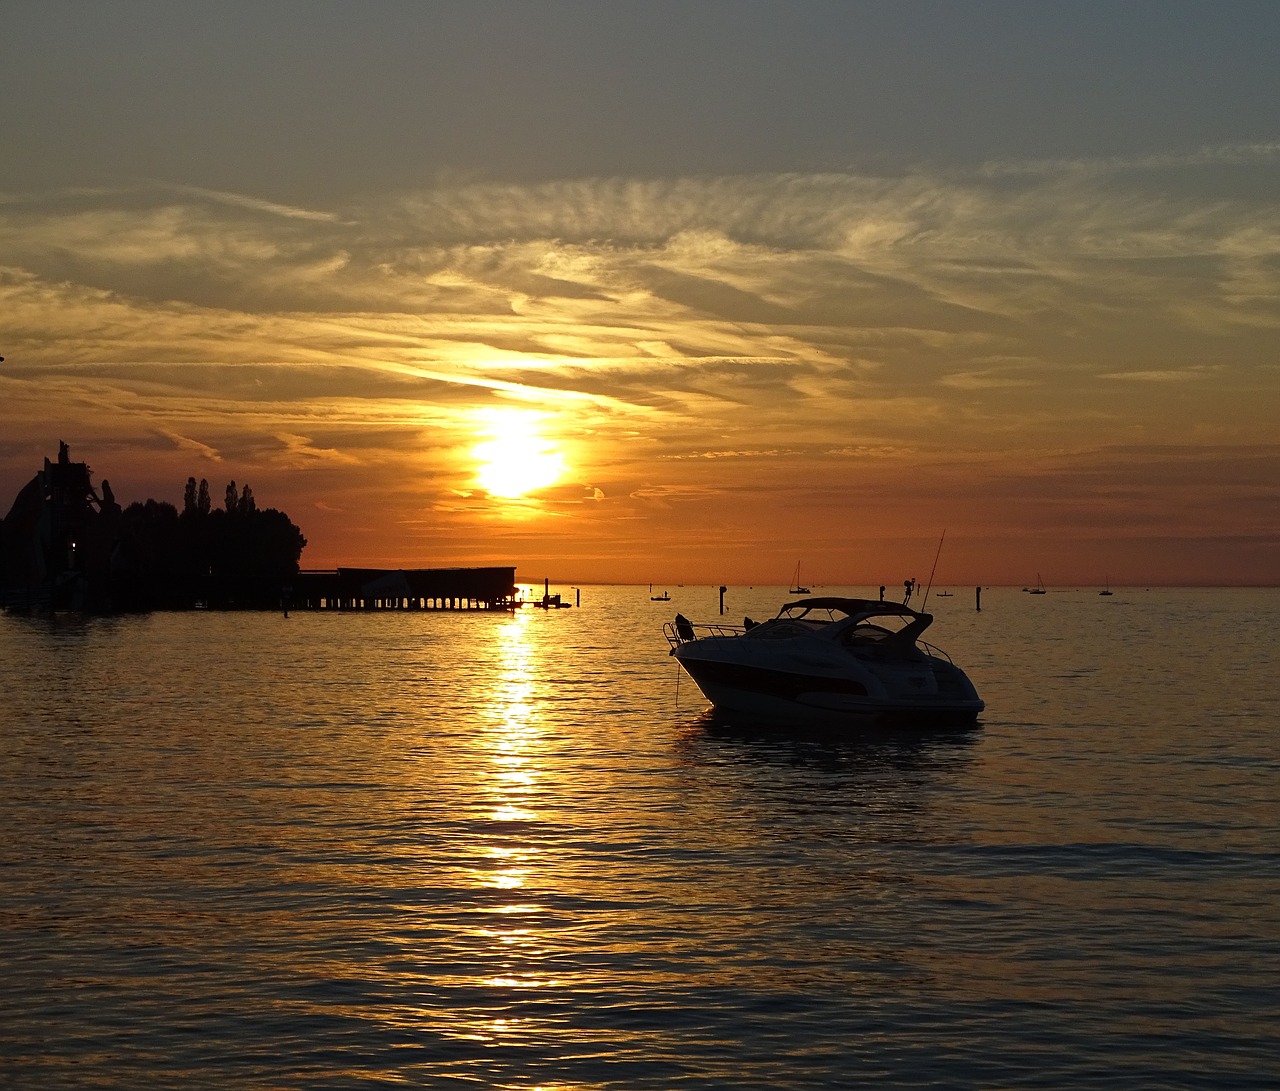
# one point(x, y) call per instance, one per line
point(855, 660)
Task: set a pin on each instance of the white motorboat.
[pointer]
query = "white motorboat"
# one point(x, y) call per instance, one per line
point(823, 658)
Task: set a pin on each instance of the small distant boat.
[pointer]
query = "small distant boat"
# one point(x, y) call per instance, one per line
point(944, 594)
point(664, 597)
point(1106, 587)
point(1038, 589)
point(856, 660)
point(551, 602)
point(797, 588)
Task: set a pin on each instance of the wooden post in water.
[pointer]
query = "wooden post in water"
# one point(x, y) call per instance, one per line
point(723, 589)
point(977, 599)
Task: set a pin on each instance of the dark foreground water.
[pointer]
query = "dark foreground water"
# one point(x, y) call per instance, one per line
point(511, 852)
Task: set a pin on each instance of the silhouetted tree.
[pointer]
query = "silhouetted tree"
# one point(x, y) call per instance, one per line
point(237, 556)
point(147, 555)
point(149, 570)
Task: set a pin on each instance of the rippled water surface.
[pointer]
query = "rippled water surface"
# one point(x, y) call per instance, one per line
point(514, 851)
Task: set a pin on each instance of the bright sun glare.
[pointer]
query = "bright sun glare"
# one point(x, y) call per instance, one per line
point(516, 459)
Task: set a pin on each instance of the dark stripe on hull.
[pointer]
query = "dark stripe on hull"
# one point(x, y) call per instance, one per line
point(768, 682)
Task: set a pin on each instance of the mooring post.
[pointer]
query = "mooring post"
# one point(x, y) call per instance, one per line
point(977, 599)
point(723, 589)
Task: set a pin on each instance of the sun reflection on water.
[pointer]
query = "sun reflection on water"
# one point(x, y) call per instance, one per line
point(513, 784)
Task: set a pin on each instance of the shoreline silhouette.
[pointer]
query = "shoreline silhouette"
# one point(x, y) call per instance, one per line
point(65, 545)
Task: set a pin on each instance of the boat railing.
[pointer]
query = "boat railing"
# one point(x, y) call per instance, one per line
point(682, 634)
point(936, 652)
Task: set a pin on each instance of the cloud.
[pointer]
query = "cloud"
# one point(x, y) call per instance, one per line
point(668, 496)
point(300, 452)
point(569, 493)
point(185, 443)
point(816, 336)
point(747, 454)
point(1187, 375)
point(255, 204)
point(1229, 155)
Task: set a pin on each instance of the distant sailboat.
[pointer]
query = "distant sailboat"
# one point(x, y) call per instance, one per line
point(1106, 587)
point(797, 588)
point(1038, 589)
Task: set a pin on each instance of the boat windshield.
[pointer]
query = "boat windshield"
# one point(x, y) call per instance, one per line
point(865, 634)
point(852, 620)
point(779, 628)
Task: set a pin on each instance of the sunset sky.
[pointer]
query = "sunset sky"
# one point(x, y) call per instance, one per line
point(661, 291)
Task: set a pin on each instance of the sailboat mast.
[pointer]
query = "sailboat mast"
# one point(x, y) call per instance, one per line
point(934, 569)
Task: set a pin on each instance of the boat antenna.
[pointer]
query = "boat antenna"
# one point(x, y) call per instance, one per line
point(934, 569)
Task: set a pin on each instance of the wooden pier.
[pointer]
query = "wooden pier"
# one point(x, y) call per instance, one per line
point(404, 589)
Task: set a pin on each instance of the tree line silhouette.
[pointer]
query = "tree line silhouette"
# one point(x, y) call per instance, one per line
point(65, 544)
point(238, 555)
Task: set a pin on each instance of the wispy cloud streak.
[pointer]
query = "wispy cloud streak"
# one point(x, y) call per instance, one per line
point(675, 327)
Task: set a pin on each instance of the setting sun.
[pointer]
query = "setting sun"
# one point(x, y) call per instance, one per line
point(516, 459)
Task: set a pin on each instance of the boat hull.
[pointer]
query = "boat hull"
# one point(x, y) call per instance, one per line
point(764, 693)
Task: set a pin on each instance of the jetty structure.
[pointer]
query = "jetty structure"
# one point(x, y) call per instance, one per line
point(492, 588)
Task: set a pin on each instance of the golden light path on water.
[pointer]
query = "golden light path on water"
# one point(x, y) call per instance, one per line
point(511, 786)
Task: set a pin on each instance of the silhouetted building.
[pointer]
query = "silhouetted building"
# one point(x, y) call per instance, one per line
point(57, 539)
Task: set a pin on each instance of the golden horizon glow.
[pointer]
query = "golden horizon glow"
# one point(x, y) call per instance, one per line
point(691, 402)
point(516, 459)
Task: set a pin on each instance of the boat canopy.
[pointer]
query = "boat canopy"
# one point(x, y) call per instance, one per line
point(861, 609)
point(853, 607)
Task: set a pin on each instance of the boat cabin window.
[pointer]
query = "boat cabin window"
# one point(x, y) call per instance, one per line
point(865, 634)
point(783, 628)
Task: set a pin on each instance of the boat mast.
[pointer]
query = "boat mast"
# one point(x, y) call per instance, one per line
point(934, 569)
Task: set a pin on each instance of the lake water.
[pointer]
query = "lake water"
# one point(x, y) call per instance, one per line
point(514, 851)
